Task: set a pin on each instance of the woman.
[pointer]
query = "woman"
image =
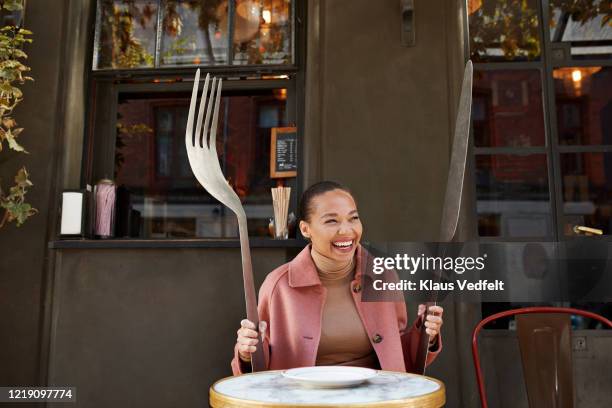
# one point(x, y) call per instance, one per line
point(313, 303)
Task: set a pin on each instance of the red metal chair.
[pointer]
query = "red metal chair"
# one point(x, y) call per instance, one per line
point(514, 312)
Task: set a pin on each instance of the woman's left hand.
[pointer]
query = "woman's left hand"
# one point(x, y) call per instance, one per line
point(433, 323)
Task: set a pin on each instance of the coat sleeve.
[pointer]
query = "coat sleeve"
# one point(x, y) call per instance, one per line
point(263, 308)
point(410, 339)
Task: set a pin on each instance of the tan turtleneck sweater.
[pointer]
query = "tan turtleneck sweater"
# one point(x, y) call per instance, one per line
point(344, 340)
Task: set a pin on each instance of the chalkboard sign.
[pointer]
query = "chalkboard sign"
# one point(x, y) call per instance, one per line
point(283, 152)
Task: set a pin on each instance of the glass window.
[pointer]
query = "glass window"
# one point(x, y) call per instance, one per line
point(585, 25)
point(587, 191)
point(164, 33)
point(159, 196)
point(506, 30)
point(262, 33)
point(512, 195)
point(126, 34)
point(507, 108)
point(584, 105)
point(194, 33)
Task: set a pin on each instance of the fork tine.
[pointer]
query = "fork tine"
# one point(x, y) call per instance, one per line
point(213, 129)
point(192, 105)
point(203, 100)
point(211, 99)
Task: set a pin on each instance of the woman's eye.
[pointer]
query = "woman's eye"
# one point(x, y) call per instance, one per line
point(356, 217)
point(330, 221)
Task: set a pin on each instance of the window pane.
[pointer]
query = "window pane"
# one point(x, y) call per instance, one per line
point(160, 197)
point(125, 36)
point(263, 32)
point(583, 96)
point(503, 30)
point(584, 24)
point(194, 33)
point(512, 196)
point(587, 191)
point(507, 108)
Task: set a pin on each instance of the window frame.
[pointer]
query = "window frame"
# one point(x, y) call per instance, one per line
point(546, 64)
point(98, 147)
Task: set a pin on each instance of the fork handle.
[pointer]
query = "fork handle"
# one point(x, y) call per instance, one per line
point(258, 362)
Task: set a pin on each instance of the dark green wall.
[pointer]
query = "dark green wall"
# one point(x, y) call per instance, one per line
point(23, 253)
point(148, 327)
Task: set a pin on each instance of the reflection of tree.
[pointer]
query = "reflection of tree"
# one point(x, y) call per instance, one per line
point(118, 24)
point(264, 44)
point(580, 11)
point(207, 18)
point(511, 25)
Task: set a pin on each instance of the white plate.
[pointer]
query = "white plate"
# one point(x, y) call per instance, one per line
point(330, 376)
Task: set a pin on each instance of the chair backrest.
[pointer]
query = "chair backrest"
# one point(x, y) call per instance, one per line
point(524, 311)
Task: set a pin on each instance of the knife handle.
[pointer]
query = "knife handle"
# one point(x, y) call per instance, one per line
point(423, 348)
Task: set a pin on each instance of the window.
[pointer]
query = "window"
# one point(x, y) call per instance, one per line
point(161, 33)
point(144, 60)
point(542, 106)
point(541, 109)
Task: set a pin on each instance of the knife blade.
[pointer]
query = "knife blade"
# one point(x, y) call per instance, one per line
point(452, 196)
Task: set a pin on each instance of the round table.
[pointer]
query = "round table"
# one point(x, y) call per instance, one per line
point(269, 389)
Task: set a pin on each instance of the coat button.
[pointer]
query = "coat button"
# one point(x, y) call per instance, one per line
point(357, 288)
point(377, 338)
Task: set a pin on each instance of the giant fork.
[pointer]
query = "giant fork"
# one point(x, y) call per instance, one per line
point(202, 153)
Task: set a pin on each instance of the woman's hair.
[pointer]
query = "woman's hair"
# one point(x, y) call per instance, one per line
point(322, 187)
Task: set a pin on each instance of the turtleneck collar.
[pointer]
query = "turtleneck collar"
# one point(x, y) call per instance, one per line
point(330, 269)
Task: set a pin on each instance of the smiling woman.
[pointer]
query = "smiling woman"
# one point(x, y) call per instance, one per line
point(310, 309)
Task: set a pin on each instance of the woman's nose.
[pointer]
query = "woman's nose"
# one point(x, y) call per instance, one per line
point(344, 227)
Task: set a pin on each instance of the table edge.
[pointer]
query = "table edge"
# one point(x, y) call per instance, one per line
point(433, 399)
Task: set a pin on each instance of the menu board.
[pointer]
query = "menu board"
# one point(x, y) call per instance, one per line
point(283, 152)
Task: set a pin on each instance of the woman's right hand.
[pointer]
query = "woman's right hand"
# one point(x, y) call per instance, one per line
point(247, 338)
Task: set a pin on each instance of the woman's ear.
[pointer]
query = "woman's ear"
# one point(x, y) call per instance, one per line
point(305, 229)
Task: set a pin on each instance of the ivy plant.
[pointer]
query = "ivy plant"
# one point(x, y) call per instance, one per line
point(12, 74)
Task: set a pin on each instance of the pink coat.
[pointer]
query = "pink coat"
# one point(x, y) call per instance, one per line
point(291, 301)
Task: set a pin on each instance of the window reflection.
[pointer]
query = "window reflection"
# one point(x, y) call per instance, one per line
point(137, 34)
point(584, 105)
point(194, 33)
point(585, 24)
point(512, 195)
point(507, 108)
point(587, 190)
point(262, 33)
point(158, 195)
point(503, 30)
point(127, 30)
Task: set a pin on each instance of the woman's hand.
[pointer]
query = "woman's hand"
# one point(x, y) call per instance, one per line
point(247, 338)
point(433, 323)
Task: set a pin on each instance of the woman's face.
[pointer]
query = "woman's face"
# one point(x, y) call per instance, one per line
point(334, 227)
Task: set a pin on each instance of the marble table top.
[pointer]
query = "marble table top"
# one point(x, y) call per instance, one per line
point(271, 387)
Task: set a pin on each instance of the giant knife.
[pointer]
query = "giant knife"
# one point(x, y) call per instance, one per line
point(452, 196)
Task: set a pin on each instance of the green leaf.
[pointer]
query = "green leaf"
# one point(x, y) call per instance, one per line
point(21, 179)
point(12, 6)
point(8, 135)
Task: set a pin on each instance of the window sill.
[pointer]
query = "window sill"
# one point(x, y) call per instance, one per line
point(128, 243)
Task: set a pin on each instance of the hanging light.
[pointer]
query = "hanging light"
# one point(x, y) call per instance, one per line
point(574, 77)
point(267, 16)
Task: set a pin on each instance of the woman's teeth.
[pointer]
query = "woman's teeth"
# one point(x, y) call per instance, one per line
point(343, 244)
